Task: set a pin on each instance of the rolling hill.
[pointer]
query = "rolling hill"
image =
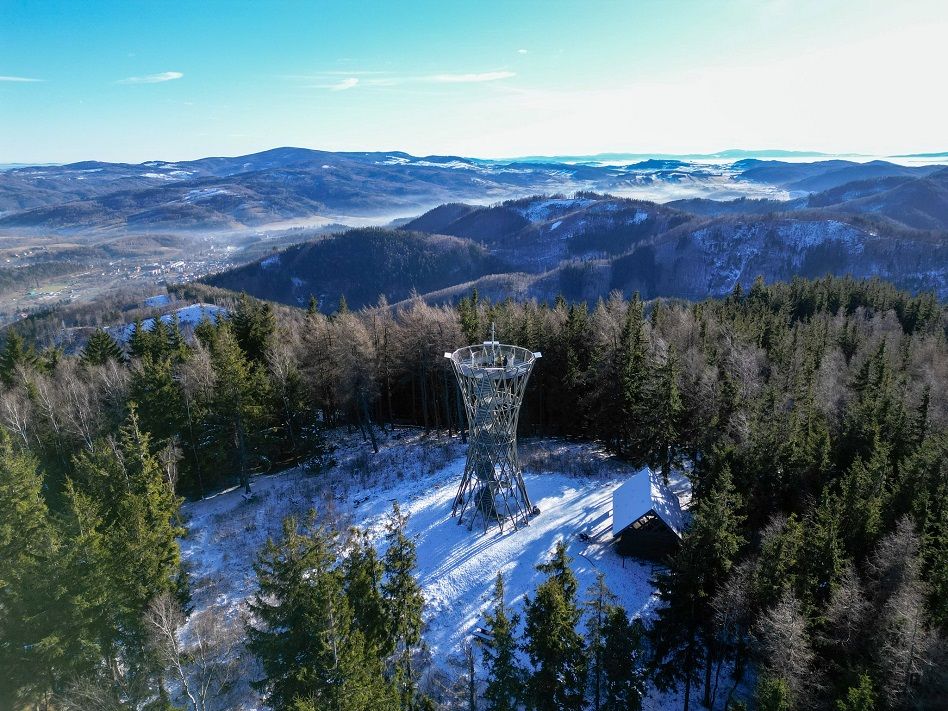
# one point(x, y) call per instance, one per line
point(921, 203)
point(588, 245)
point(287, 184)
point(361, 265)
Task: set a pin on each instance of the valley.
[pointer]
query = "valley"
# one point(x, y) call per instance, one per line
point(275, 224)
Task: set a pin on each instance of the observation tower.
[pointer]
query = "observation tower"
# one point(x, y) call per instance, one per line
point(493, 377)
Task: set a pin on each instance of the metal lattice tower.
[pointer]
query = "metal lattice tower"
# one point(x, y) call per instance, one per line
point(493, 377)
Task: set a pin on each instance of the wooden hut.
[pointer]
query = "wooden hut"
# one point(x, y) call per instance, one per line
point(647, 520)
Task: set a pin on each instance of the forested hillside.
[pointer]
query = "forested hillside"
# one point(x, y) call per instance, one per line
point(587, 245)
point(358, 265)
point(812, 415)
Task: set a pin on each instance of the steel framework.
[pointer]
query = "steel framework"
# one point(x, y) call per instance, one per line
point(493, 377)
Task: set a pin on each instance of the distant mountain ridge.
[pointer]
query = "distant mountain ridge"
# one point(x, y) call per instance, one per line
point(533, 226)
point(588, 245)
point(291, 184)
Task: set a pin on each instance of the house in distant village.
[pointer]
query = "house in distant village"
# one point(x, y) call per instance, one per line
point(647, 520)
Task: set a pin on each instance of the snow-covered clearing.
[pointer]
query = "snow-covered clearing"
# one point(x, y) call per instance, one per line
point(200, 194)
point(542, 210)
point(571, 483)
point(272, 261)
point(188, 317)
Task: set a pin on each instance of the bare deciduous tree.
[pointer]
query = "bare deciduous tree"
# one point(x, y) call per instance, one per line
point(906, 646)
point(204, 659)
point(784, 646)
point(16, 414)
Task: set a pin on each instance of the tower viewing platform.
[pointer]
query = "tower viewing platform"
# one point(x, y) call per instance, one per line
point(493, 377)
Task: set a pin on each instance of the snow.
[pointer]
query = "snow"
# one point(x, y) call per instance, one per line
point(421, 163)
point(187, 316)
point(642, 493)
point(195, 313)
point(555, 225)
point(572, 484)
point(728, 257)
point(271, 261)
point(201, 194)
point(542, 210)
point(454, 164)
point(639, 217)
point(158, 300)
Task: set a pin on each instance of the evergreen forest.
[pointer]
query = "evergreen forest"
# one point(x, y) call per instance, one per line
point(812, 417)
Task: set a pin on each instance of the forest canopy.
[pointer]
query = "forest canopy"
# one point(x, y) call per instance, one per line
point(812, 416)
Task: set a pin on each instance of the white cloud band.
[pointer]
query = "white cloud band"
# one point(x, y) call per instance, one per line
point(152, 78)
point(469, 78)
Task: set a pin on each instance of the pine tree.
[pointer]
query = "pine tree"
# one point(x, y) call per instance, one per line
point(634, 378)
point(599, 605)
point(558, 568)
point(574, 342)
point(153, 389)
point(254, 327)
point(206, 331)
point(707, 553)
point(160, 339)
point(87, 604)
point(822, 556)
point(556, 650)
point(100, 349)
point(177, 347)
point(312, 654)
point(858, 698)
point(404, 603)
point(667, 409)
point(505, 678)
point(110, 560)
point(862, 498)
point(623, 662)
point(15, 353)
point(362, 576)
point(140, 340)
point(138, 523)
point(469, 317)
point(773, 694)
point(877, 410)
point(28, 647)
point(237, 406)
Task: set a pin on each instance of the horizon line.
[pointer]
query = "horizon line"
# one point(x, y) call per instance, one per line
point(726, 153)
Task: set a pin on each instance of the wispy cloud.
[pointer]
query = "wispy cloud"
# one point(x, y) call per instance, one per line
point(340, 85)
point(151, 78)
point(346, 83)
point(521, 51)
point(469, 78)
point(20, 79)
point(385, 79)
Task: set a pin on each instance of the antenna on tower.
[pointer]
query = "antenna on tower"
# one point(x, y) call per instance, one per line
point(493, 377)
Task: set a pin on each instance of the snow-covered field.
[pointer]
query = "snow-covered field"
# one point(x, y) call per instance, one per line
point(571, 483)
point(188, 317)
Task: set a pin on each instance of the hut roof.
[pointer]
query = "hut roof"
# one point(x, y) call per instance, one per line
point(643, 493)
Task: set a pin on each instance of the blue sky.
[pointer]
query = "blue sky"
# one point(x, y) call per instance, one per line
point(135, 80)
